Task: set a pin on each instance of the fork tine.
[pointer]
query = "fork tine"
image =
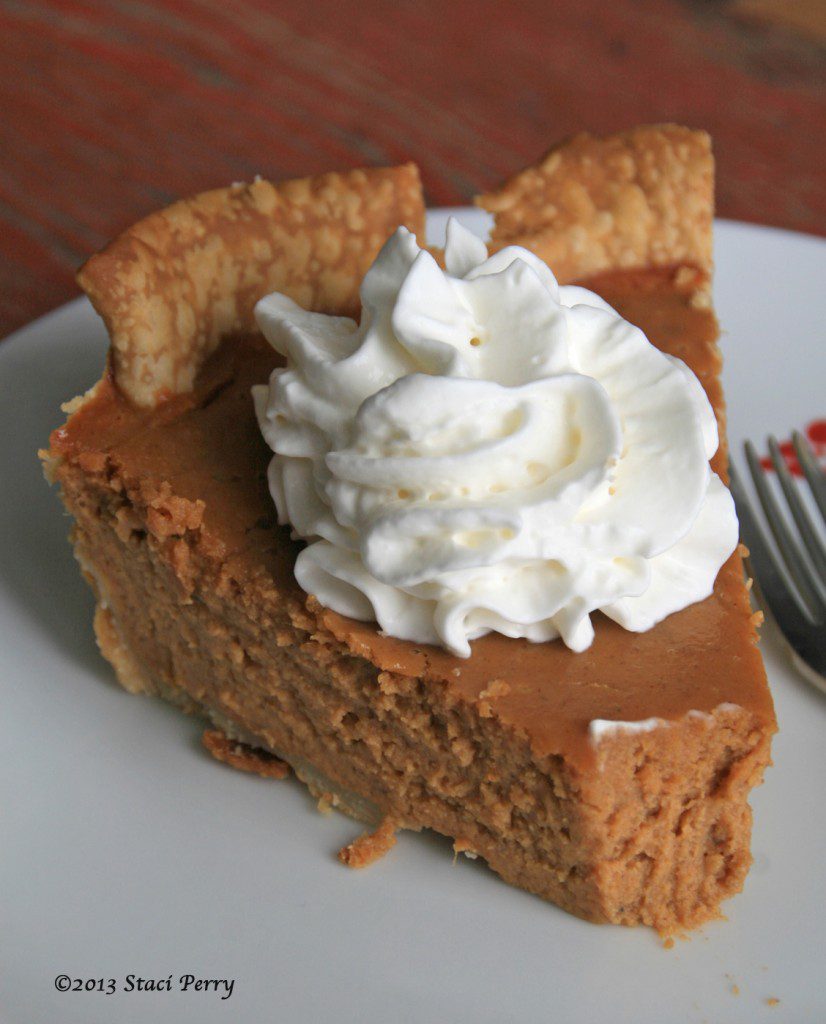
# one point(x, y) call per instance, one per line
point(774, 592)
point(796, 567)
point(813, 472)
point(813, 543)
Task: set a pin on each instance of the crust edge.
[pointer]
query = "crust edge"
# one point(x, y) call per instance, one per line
point(175, 283)
point(639, 198)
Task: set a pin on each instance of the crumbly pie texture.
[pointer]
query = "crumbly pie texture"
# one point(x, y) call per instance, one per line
point(175, 284)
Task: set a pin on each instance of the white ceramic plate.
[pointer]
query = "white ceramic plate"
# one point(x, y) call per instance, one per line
point(127, 850)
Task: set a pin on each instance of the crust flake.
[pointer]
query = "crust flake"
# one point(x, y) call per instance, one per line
point(371, 846)
point(243, 757)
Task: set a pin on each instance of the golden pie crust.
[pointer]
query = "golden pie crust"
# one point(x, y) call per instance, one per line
point(643, 198)
point(170, 287)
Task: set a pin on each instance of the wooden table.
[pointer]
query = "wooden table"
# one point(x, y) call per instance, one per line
point(109, 110)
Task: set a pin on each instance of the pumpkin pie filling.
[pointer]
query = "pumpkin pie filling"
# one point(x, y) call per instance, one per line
point(644, 823)
point(206, 446)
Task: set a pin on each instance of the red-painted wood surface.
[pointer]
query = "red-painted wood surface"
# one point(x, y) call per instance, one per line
point(111, 109)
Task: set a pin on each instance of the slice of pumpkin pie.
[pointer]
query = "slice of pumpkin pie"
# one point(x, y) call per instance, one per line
point(468, 564)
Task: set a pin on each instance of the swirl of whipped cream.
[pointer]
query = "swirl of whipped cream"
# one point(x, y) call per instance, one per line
point(489, 451)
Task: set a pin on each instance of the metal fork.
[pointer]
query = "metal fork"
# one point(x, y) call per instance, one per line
point(799, 610)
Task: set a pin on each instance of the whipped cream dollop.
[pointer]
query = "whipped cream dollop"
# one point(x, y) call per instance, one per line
point(488, 450)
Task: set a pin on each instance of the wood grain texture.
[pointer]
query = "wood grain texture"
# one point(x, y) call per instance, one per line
point(110, 110)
